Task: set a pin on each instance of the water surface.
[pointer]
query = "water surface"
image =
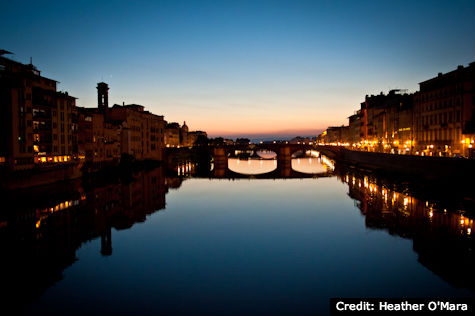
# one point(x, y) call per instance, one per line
point(242, 247)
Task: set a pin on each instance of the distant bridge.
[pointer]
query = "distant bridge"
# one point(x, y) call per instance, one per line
point(284, 152)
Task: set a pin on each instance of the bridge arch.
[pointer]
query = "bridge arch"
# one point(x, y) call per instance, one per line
point(282, 156)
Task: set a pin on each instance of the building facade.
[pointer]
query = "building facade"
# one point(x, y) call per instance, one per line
point(142, 133)
point(387, 123)
point(444, 113)
point(38, 124)
point(180, 136)
point(109, 133)
point(438, 120)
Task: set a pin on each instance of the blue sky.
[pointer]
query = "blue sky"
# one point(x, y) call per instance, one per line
point(241, 67)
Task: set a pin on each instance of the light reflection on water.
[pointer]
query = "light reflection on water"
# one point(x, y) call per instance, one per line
point(310, 165)
point(251, 166)
point(384, 201)
point(247, 247)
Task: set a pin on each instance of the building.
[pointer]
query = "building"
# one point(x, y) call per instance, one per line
point(142, 133)
point(172, 134)
point(180, 136)
point(38, 123)
point(335, 135)
point(301, 140)
point(386, 122)
point(438, 120)
point(444, 113)
point(107, 134)
point(355, 134)
point(99, 140)
point(195, 136)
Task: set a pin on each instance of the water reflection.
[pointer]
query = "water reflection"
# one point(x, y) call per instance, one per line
point(295, 242)
point(304, 165)
point(37, 243)
point(266, 154)
point(186, 168)
point(252, 166)
point(310, 165)
point(441, 236)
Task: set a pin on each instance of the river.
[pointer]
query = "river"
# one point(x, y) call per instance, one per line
point(176, 244)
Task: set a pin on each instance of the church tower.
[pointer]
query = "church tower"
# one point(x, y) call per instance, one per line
point(103, 97)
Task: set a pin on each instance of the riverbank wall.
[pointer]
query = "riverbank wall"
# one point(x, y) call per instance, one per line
point(428, 168)
point(44, 176)
point(39, 176)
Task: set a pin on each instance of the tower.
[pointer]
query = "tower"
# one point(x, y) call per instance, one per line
point(103, 97)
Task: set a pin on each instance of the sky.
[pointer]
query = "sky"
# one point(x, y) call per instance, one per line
point(241, 68)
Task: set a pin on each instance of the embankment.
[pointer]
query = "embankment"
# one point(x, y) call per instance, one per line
point(428, 168)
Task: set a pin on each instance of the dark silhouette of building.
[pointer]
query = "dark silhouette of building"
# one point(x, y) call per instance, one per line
point(38, 123)
point(103, 97)
point(109, 133)
point(180, 136)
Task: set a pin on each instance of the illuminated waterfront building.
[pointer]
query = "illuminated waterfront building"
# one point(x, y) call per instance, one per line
point(383, 123)
point(387, 122)
point(39, 123)
point(336, 135)
point(172, 134)
point(444, 113)
point(438, 120)
point(355, 132)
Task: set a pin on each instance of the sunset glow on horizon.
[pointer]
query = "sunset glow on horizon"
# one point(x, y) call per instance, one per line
point(244, 68)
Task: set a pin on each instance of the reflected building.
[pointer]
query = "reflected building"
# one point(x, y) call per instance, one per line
point(441, 237)
point(38, 243)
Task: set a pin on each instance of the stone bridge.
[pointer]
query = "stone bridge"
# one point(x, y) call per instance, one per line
point(284, 160)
